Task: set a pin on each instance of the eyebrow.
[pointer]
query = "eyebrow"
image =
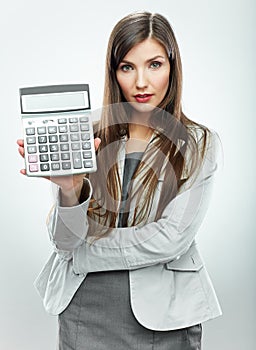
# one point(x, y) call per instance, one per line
point(149, 60)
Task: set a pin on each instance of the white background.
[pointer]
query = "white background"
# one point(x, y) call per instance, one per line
point(54, 42)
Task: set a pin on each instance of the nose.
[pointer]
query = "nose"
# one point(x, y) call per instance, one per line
point(141, 79)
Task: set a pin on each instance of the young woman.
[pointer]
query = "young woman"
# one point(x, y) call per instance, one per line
point(126, 272)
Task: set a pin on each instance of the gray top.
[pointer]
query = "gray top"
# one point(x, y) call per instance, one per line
point(132, 161)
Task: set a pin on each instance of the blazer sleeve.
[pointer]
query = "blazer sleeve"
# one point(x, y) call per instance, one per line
point(156, 242)
point(68, 226)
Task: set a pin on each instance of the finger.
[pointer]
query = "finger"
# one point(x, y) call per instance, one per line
point(20, 142)
point(21, 151)
point(97, 142)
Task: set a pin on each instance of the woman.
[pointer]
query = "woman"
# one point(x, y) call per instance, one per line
point(126, 272)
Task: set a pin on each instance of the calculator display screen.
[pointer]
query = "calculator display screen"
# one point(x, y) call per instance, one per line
point(51, 102)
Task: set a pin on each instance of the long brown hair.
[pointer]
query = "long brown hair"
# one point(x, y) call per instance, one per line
point(168, 120)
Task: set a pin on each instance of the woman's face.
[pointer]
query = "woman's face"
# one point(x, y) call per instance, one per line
point(143, 75)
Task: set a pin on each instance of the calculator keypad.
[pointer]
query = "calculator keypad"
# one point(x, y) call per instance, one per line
point(59, 145)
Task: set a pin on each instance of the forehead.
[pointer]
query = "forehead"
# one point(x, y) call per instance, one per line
point(147, 49)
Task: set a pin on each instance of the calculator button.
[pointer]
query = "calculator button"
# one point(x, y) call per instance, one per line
point(86, 145)
point(31, 140)
point(55, 157)
point(73, 127)
point(41, 130)
point(33, 168)
point(32, 149)
point(65, 156)
point(54, 148)
point(77, 161)
point(44, 158)
point(53, 138)
point(85, 137)
point(87, 163)
point(55, 166)
point(74, 137)
point(87, 154)
point(42, 139)
point(32, 158)
point(83, 119)
point(44, 167)
point(63, 128)
point(64, 147)
point(84, 127)
point(43, 149)
point(30, 131)
point(66, 165)
point(52, 129)
point(62, 120)
point(75, 146)
point(63, 138)
point(73, 120)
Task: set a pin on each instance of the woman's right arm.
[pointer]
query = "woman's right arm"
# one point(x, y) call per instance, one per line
point(70, 190)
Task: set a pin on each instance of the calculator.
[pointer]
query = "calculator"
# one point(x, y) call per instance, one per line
point(57, 129)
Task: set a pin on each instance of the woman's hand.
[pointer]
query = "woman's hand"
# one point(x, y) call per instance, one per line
point(70, 185)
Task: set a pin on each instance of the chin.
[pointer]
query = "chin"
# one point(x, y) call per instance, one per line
point(142, 107)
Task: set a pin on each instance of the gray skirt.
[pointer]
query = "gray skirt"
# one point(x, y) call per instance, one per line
point(100, 317)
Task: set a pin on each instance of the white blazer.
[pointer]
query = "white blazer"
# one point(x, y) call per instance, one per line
point(169, 285)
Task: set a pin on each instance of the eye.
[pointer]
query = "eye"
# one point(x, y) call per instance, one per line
point(125, 67)
point(155, 64)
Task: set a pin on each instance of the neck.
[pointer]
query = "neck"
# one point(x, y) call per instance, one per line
point(139, 136)
point(139, 126)
point(140, 132)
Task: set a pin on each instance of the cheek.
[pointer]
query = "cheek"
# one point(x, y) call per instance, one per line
point(123, 84)
point(161, 85)
point(165, 87)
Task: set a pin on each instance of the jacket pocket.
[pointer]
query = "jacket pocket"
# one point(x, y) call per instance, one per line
point(190, 261)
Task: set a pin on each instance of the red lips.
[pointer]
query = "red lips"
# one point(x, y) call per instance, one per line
point(143, 98)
